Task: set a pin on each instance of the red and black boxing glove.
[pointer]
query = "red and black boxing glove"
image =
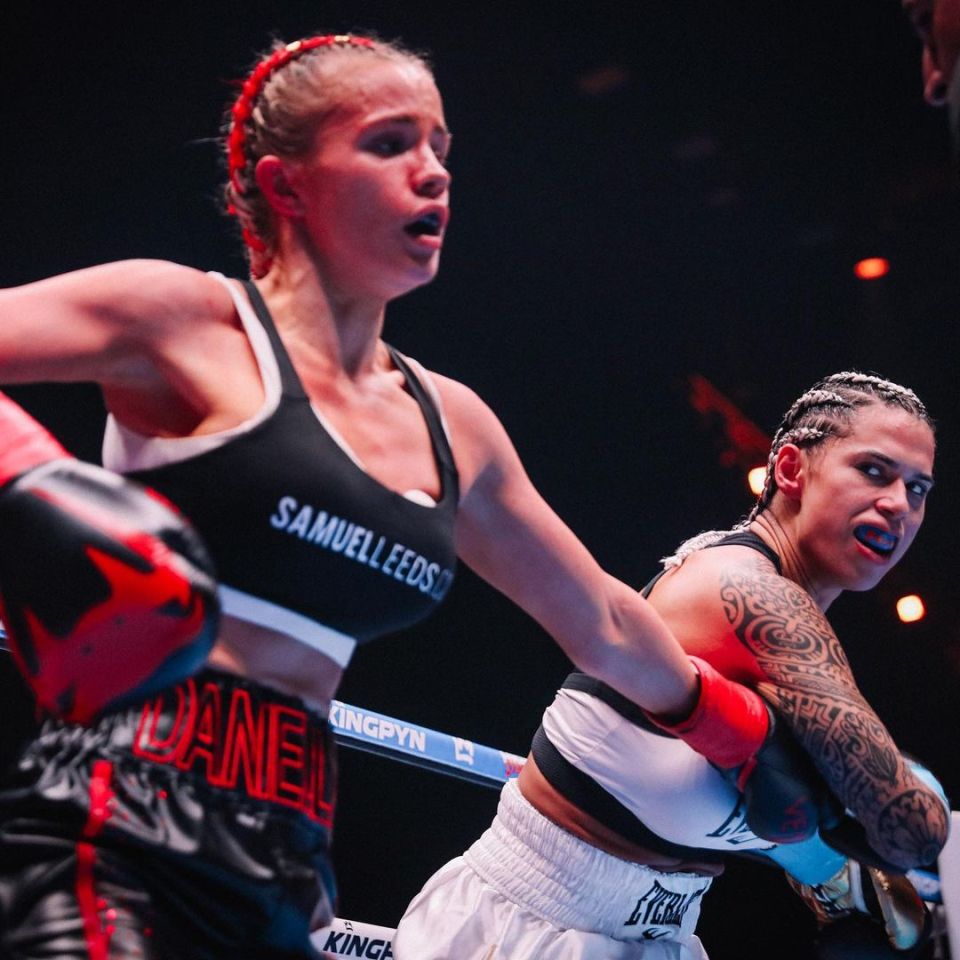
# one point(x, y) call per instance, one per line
point(785, 798)
point(107, 592)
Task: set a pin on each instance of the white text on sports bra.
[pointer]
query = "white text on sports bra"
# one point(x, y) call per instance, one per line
point(362, 545)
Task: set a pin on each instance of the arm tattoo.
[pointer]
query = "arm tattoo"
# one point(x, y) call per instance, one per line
point(813, 690)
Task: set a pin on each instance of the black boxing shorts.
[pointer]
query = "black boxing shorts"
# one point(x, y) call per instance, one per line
point(195, 825)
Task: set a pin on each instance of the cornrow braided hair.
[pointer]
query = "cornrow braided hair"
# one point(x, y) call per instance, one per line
point(824, 412)
point(278, 110)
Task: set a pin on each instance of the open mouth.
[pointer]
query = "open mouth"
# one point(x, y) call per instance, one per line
point(426, 226)
point(877, 540)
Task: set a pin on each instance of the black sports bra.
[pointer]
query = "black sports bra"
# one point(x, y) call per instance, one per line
point(304, 540)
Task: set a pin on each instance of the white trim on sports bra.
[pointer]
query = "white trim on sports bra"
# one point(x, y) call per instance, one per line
point(125, 450)
point(331, 643)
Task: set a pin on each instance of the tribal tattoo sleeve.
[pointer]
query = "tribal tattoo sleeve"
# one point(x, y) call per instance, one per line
point(813, 690)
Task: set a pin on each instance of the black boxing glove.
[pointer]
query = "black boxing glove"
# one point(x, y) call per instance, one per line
point(785, 799)
point(106, 591)
point(888, 899)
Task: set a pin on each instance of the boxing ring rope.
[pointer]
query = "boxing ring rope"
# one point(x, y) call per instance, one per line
point(357, 729)
point(367, 731)
point(370, 732)
point(421, 747)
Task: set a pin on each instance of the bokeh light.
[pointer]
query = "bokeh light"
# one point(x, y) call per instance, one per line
point(910, 608)
point(872, 268)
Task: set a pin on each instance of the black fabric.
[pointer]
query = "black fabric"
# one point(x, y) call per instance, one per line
point(586, 793)
point(291, 519)
point(626, 708)
point(650, 584)
point(202, 818)
point(591, 798)
point(747, 538)
point(146, 914)
point(736, 538)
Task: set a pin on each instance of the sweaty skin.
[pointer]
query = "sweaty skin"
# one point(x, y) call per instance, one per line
point(812, 687)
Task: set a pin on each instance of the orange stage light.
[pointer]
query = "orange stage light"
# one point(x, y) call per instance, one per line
point(872, 268)
point(911, 608)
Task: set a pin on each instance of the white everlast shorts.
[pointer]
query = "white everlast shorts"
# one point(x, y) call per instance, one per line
point(528, 890)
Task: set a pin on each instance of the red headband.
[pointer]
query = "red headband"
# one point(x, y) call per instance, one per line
point(241, 110)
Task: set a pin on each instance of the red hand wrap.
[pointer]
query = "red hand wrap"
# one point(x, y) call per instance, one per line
point(729, 723)
point(25, 442)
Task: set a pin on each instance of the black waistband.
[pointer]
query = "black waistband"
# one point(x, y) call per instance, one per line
point(235, 735)
point(218, 791)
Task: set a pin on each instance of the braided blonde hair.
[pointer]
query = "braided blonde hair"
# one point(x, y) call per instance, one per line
point(285, 98)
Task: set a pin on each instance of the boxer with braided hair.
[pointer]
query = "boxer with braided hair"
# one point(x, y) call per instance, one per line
point(336, 482)
point(604, 847)
point(824, 411)
point(266, 118)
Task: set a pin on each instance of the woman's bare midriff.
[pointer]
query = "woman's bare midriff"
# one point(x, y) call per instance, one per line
point(276, 660)
point(540, 793)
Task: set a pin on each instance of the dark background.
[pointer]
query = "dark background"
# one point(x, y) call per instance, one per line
point(639, 194)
